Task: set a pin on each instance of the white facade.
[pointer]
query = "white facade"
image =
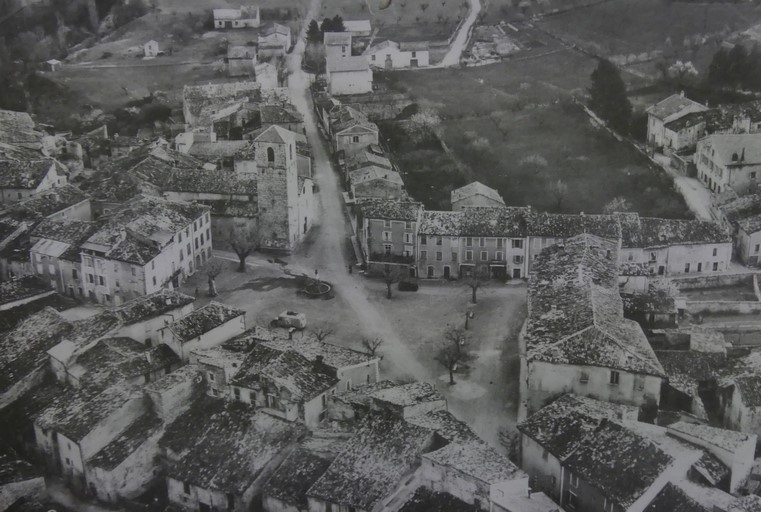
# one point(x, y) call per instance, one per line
point(390, 55)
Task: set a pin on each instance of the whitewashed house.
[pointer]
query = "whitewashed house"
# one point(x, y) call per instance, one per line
point(391, 55)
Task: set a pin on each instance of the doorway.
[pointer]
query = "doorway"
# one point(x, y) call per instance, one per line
point(446, 272)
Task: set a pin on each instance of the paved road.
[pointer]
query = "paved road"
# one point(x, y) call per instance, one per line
point(452, 58)
point(697, 197)
point(327, 250)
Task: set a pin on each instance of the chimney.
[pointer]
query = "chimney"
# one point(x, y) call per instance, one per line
point(681, 93)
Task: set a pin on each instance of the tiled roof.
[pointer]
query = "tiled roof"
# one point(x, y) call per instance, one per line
point(125, 444)
point(674, 499)
point(750, 503)
point(82, 410)
point(203, 320)
point(275, 114)
point(686, 369)
point(734, 149)
point(337, 38)
point(751, 224)
point(621, 464)
point(671, 105)
point(374, 173)
point(559, 225)
point(345, 117)
point(728, 440)
point(225, 447)
point(560, 426)
point(476, 188)
point(25, 348)
point(407, 395)
point(660, 232)
point(217, 149)
point(295, 476)
point(253, 365)
point(335, 356)
point(45, 203)
point(362, 395)
point(426, 500)
point(376, 458)
point(690, 120)
point(26, 174)
point(18, 128)
point(276, 134)
point(22, 288)
point(153, 305)
point(69, 233)
point(441, 223)
point(446, 425)
point(202, 100)
point(576, 312)
point(292, 371)
point(477, 460)
point(494, 221)
point(241, 52)
point(390, 210)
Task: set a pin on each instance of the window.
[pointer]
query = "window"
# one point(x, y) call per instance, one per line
point(500, 242)
point(408, 238)
point(572, 501)
point(614, 377)
point(583, 377)
point(753, 175)
point(498, 256)
point(153, 265)
point(386, 223)
point(236, 392)
point(196, 240)
point(700, 267)
point(757, 247)
point(438, 256)
point(154, 280)
point(179, 237)
point(468, 255)
point(468, 242)
point(211, 377)
point(439, 241)
point(414, 55)
point(270, 155)
point(454, 256)
point(387, 236)
point(517, 243)
point(686, 268)
point(185, 487)
point(355, 139)
point(201, 238)
point(653, 257)
point(208, 234)
point(108, 297)
point(517, 260)
point(101, 281)
point(715, 251)
point(481, 242)
point(631, 257)
point(182, 257)
point(372, 57)
point(574, 480)
point(387, 248)
point(423, 255)
point(230, 501)
point(90, 278)
point(484, 255)
point(423, 240)
point(75, 275)
point(133, 271)
point(715, 266)
point(189, 248)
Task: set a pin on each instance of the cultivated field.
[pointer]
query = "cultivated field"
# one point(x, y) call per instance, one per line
point(515, 128)
point(511, 10)
point(403, 20)
point(633, 26)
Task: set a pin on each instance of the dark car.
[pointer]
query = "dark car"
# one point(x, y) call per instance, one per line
point(408, 286)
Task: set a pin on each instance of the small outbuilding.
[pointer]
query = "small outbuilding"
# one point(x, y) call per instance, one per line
point(150, 49)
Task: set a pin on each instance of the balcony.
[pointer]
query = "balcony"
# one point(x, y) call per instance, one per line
point(381, 257)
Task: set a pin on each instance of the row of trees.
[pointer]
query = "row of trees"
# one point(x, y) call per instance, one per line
point(316, 32)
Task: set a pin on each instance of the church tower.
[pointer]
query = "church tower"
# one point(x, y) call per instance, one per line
point(277, 188)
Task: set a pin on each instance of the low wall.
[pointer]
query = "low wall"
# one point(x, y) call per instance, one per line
point(724, 306)
point(712, 281)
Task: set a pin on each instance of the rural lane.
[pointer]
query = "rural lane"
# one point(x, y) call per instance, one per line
point(452, 58)
point(327, 253)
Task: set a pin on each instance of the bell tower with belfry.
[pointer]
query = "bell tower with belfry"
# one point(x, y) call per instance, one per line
point(277, 189)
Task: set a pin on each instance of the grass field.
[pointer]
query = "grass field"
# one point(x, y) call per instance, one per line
point(632, 26)
point(515, 129)
point(403, 20)
point(514, 10)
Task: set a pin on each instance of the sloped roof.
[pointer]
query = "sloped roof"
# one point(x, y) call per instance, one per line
point(347, 64)
point(478, 221)
point(559, 225)
point(295, 476)
point(275, 114)
point(18, 128)
point(620, 463)
point(390, 210)
point(276, 135)
point(672, 105)
point(217, 149)
point(24, 174)
point(674, 499)
point(576, 311)
point(426, 500)
point(734, 149)
point(407, 395)
point(660, 232)
point(44, 203)
point(152, 305)
point(477, 460)
point(203, 320)
point(560, 426)
point(441, 223)
point(375, 173)
point(729, 440)
point(336, 38)
point(474, 189)
point(381, 46)
point(125, 444)
point(381, 452)
point(750, 503)
point(686, 369)
point(446, 425)
point(357, 25)
point(22, 288)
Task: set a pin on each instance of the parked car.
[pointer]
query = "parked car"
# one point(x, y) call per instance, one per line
point(408, 286)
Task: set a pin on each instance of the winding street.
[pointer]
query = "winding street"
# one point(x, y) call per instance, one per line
point(452, 58)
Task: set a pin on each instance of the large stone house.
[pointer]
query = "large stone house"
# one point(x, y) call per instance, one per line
point(667, 111)
point(576, 339)
point(205, 327)
point(743, 215)
point(386, 232)
point(245, 17)
point(275, 41)
point(475, 194)
point(22, 179)
point(350, 131)
point(337, 45)
point(348, 75)
point(729, 160)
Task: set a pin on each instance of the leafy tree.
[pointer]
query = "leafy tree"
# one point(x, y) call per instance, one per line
point(326, 25)
point(608, 96)
point(243, 240)
point(451, 354)
point(737, 66)
point(314, 34)
point(338, 24)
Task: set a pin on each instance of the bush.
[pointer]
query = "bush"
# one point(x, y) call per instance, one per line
point(106, 55)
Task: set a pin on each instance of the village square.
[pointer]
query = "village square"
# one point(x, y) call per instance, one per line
point(380, 255)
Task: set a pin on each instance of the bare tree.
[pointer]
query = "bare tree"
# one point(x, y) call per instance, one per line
point(212, 269)
point(559, 191)
point(243, 240)
point(322, 333)
point(451, 354)
point(617, 205)
point(372, 345)
point(478, 279)
point(390, 276)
